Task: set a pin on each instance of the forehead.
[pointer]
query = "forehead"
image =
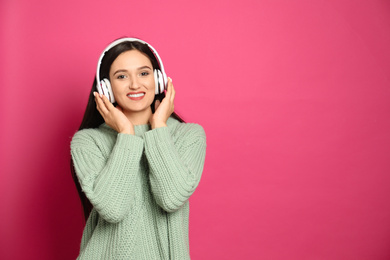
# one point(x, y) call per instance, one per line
point(131, 59)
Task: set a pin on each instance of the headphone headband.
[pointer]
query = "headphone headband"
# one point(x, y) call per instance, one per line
point(127, 39)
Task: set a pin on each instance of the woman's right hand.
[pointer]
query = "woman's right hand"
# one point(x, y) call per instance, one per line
point(113, 116)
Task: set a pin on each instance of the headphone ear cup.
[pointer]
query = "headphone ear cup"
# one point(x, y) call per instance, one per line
point(107, 90)
point(159, 81)
point(102, 88)
point(165, 80)
point(156, 82)
point(99, 87)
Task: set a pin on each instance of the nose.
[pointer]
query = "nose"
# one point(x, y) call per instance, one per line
point(134, 84)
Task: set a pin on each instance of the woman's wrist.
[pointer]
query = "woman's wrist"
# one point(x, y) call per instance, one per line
point(158, 125)
point(127, 130)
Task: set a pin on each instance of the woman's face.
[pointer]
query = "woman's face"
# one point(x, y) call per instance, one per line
point(132, 81)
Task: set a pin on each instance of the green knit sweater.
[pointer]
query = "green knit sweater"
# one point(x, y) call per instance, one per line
point(139, 186)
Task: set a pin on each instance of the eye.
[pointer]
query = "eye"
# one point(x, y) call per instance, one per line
point(144, 73)
point(121, 76)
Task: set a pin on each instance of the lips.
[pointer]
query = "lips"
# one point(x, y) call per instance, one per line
point(136, 95)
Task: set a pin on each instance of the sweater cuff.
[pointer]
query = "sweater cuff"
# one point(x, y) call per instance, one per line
point(127, 141)
point(158, 135)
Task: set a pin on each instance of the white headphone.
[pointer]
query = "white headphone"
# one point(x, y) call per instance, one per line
point(104, 87)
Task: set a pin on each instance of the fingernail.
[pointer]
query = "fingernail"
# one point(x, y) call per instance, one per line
point(94, 94)
point(170, 79)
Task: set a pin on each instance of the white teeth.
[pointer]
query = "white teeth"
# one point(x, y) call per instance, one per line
point(136, 95)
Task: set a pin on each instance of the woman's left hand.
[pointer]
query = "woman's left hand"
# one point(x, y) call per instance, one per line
point(164, 109)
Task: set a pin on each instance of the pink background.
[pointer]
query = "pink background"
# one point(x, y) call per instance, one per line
point(294, 97)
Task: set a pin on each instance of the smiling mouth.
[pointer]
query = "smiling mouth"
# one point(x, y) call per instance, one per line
point(136, 95)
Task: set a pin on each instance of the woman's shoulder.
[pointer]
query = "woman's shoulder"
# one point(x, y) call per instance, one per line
point(181, 128)
point(92, 135)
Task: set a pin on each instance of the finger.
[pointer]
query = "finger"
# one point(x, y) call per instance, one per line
point(169, 89)
point(103, 112)
point(100, 105)
point(173, 92)
point(109, 106)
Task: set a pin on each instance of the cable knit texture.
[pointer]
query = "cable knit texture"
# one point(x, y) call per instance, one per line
point(139, 186)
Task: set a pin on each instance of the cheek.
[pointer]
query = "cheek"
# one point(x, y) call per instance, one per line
point(116, 86)
point(152, 87)
point(151, 96)
point(151, 84)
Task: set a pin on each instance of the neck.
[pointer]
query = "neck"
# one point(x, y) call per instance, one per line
point(139, 117)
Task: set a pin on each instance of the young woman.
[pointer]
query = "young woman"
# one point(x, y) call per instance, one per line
point(135, 162)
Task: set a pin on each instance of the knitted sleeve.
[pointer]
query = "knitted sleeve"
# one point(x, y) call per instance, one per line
point(107, 177)
point(175, 162)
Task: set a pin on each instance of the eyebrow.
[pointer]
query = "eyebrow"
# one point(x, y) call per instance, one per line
point(144, 67)
point(140, 68)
